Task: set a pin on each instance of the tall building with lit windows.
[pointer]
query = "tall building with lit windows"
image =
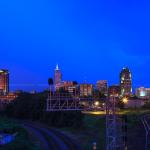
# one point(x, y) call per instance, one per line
point(57, 78)
point(4, 82)
point(126, 82)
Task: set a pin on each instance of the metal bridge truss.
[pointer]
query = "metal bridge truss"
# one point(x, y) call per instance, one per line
point(66, 102)
point(115, 124)
point(115, 136)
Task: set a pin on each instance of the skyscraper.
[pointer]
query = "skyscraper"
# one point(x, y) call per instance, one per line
point(126, 82)
point(57, 78)
point(4, 82)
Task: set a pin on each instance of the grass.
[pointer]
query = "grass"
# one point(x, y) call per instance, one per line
point(138, 111)
point(93, 129)
point(21, 141)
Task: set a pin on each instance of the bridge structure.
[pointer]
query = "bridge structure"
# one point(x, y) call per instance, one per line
point(115, 127)
point(67, 102)
point(115, 123)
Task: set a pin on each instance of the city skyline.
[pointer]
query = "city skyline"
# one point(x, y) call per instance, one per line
point(57, 70)
point(74, 74)
point(89, 39)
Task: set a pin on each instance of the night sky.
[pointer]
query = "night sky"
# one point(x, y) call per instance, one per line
point(89, 39)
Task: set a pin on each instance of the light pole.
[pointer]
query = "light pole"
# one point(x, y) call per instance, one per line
point(50, 82)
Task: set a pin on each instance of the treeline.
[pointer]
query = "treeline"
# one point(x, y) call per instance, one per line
point(33, 107)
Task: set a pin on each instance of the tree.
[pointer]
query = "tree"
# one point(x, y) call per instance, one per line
point(33, 107)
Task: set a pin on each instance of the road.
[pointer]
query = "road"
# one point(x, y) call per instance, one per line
point(51, 139)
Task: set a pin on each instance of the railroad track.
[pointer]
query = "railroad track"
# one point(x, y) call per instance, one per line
point(69, 142)
point(52, 138)
point(146, 123)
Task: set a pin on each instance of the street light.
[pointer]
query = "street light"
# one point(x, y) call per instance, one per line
point(125, 100)
point(96, 103)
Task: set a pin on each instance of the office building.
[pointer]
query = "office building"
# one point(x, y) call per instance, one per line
point(86, 89)
point(126, 83)
point(57, 78)
point(114, 91)
point(4, 82)
point(143, 93)
point(102, 87)
point(70, 87)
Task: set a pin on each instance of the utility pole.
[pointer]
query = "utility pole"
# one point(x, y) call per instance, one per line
point(50, 82)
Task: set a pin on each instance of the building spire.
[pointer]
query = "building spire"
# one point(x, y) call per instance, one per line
point(57, 67)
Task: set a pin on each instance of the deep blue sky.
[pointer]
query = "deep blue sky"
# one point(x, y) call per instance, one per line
point(89, 40)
